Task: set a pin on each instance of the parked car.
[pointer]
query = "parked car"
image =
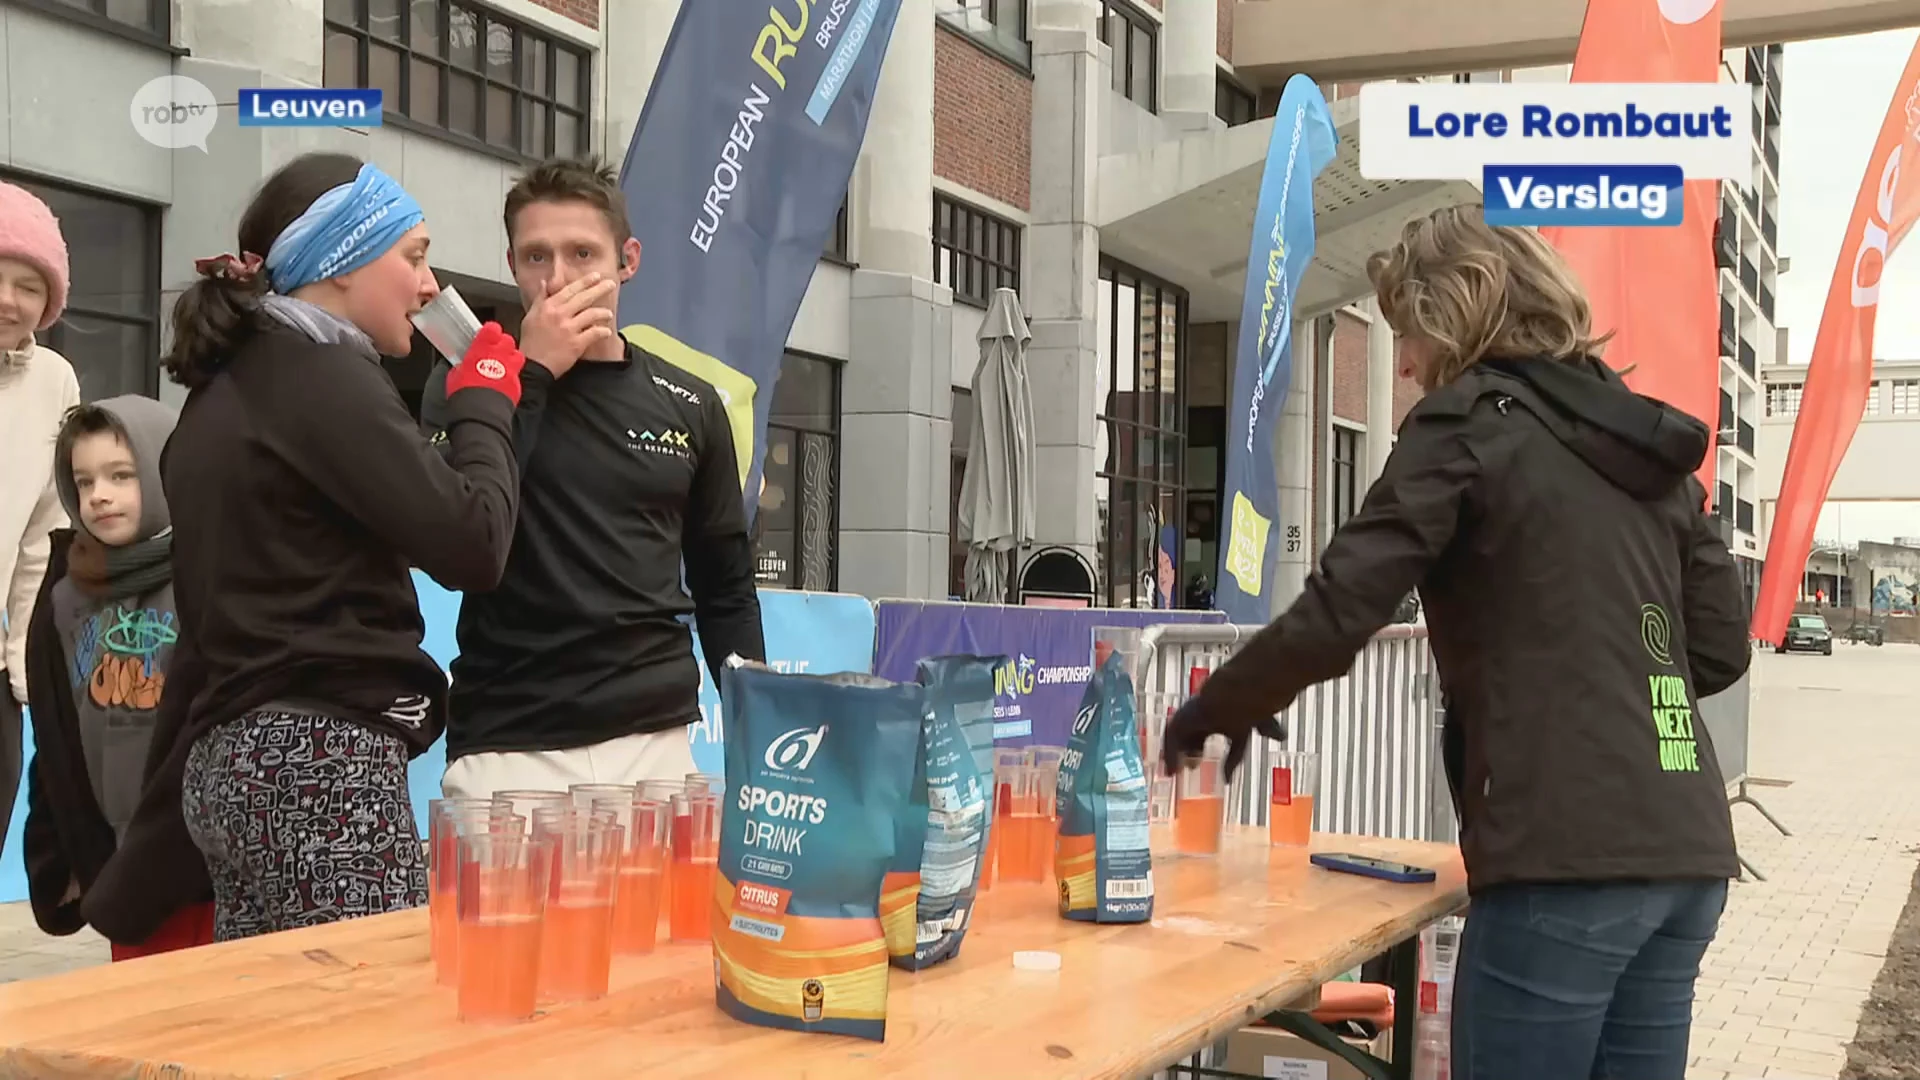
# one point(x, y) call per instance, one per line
point(1807, 633)
point(1869, 633)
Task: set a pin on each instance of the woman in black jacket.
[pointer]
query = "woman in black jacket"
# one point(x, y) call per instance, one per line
point(1579, 604)
point(302, 494)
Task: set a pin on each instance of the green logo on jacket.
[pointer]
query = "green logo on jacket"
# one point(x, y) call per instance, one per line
point(1667, 696)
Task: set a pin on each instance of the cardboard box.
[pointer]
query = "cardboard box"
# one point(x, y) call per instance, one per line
point(1278, 1055)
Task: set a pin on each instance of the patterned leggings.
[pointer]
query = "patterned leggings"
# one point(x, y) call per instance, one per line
point(304, 819)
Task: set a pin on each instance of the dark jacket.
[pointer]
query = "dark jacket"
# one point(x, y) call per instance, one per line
point(1579, 602)
point(303, 493)
point(66, 838)
point(628, 475)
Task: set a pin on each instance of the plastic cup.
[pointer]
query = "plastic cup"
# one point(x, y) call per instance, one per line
point(1047, 760)
point(1026, 852)
point(504, 880)
point(447, 821)
point(576, 941)
point(696, 857)
point(1203, 798)
point(585, 795)
point(641, 881)
point(449, 325)
point(1294, 788)
point(707, 783)
point(1155, 709)
point(525, 802)
point(1005, 760)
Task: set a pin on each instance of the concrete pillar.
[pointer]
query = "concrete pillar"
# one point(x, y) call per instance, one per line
point(1062, 273)
point(635, 32)
point(1380, 376)
point(284, 37)
point(1322, 433)
point(1188, 69)
point(893, 215)
point(899, 391)
point(1293, 465)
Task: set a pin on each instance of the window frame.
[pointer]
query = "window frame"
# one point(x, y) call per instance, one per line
point(1123, 60)
point(56, 337)
point(839, 250)
point(1343, 473)
point(94, 16)
point(1121, 474)
point(546, 99)
point(797, 551)
point(985, 271)
point(979, 23)
point(1228, 92)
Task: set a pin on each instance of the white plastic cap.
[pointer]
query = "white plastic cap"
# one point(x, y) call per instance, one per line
point(1036, 961)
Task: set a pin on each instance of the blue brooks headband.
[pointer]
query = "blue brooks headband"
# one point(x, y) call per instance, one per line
point(344, 229)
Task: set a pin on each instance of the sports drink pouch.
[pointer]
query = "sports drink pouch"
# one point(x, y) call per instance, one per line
point(1101, 859)
point(943, 836)
point(818, 769)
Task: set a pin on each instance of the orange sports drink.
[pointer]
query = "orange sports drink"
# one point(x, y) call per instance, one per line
point(576, 941)
point(1047, 759)
point(447, 821)
point(662, 792)
point(1026, 851)
point(1296, 780)
point(504, 880)
point(641, 880)
point(1201, 810)
point(696, 851)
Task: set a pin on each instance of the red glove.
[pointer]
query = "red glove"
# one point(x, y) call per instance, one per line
point(493, 361)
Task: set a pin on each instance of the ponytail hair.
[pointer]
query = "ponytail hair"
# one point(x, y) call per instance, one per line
point(218, 313)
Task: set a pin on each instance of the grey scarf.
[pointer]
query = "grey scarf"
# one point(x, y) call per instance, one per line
point(318, 324)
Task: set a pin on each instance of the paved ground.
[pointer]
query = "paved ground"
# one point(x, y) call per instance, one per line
point(1796, 956)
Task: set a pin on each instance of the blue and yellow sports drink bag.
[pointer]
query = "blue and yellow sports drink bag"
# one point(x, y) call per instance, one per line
point(818, 769)
point(943, 835)
point(1101, 859)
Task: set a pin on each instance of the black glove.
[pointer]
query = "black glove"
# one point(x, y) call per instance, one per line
point(1193, 722)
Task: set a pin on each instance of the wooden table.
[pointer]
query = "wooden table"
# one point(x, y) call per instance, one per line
point(1234, 938)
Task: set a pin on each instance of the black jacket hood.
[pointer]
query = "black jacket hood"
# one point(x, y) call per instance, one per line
point(1642, 446)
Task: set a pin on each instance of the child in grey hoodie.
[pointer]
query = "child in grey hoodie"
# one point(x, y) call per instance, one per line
point(97, 652)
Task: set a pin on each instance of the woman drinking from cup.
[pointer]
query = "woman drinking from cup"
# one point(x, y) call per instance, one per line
point(302, 496)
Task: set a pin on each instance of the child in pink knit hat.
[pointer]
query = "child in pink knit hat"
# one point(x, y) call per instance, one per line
point(37, 388)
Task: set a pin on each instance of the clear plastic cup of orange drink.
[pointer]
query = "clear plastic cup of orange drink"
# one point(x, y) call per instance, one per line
point(696, 857)
point(576, 940)
point(1294, 788)
point(447, 821)
point(504, 880)
point(1047, 760)
point(1005, 761)
point(525, 803)
point(641, 882)
point(1026, 849)
point(585, 795)
point(1201, 809)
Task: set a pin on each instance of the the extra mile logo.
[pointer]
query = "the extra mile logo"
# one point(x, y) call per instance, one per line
point(670, 441)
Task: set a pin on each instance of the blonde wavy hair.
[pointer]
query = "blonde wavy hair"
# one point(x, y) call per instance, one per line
point(1470, 290)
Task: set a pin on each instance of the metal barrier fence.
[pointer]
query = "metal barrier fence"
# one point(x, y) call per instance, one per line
point(1376, 729)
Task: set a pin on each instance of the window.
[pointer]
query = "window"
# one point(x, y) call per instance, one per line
point(1231, 103)
point(1141, 443)
point(1783, 399)
point(1135, 41)
point(1873, 398)
point(796, 531)
point(999, 26)
point(522, 95)
point(962, 441)
point(148, 18)
point(1346, 474)
point(110, 331)
point(1906, 396)
point(974, 252)
point(837, 247)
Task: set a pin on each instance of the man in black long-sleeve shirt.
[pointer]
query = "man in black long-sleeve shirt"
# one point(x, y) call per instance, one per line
point(579, 667)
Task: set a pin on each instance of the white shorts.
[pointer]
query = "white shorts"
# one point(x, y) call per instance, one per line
point(661, 755)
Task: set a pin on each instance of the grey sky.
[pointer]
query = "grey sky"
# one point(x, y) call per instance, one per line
point(1834, 98)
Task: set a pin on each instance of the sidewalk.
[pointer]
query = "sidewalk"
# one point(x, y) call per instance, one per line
point(1783, 985)
point(26, 953)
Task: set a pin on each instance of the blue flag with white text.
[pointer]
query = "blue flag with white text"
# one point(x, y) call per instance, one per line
point(1303, 142)
point(734, 180)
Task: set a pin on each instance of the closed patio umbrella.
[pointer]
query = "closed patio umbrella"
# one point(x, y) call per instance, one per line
point(996, 493)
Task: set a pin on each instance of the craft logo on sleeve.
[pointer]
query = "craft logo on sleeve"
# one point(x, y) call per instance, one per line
point(1595, 154)
point(300, 107)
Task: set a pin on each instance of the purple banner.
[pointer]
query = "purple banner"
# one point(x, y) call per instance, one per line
point(1050, 654)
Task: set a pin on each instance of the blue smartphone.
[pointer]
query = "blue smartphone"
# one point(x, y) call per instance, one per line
point(1373, 868)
